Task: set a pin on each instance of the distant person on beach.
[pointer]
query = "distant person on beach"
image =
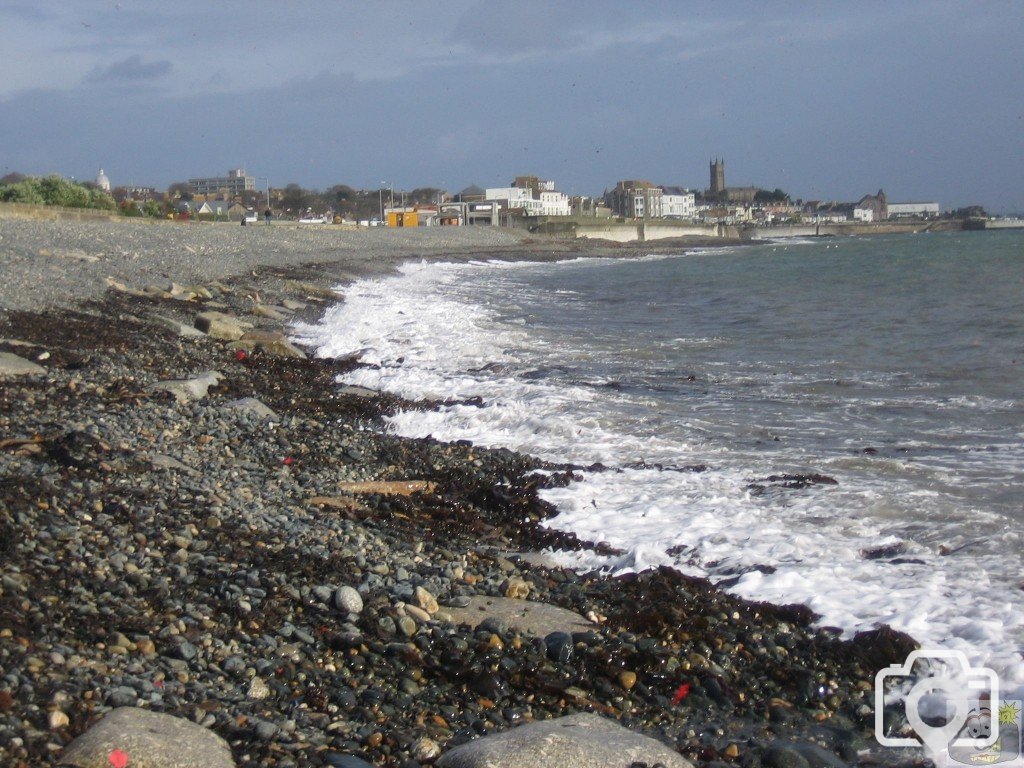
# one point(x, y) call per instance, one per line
point(267, 214)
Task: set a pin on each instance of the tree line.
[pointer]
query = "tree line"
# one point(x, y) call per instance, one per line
point(340, 199)
point(293, 199)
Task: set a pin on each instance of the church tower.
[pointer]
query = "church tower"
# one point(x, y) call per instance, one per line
point(717, 177)
point(102, 181)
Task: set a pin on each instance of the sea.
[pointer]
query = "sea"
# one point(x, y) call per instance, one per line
point(837, 422)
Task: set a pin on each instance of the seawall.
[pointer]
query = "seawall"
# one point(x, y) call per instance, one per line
point(630, 231)
point(852, 228)
point(1007, 223)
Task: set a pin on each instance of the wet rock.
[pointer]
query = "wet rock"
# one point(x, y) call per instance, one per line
point(884, 551)
point(425, 749)
point(185, 651)
point(323, 593)
point(818, 757)
point(790, 482)
point(559, 646)
point(517, 589)
point(336, 760)
point(122, 696)
point(426, 601)
point(490, 685)
point(258, 689)
point(406, 626)
point(354, 391)
point(417, 613)
point(265, 730)
point(783, 756)
point(577, 741)
point(883, 647)
point(150, 739)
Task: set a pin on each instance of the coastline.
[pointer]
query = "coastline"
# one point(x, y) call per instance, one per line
point(167, 554)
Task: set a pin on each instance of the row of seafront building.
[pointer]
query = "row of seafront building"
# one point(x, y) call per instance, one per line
point(636, 199)
point(530, 197)
point(641, 200)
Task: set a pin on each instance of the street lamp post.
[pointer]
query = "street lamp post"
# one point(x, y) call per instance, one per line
point(380, 200)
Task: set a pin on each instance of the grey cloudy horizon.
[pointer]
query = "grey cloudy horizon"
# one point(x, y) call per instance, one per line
point(826, 101)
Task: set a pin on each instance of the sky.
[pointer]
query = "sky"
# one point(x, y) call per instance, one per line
point(827, 101)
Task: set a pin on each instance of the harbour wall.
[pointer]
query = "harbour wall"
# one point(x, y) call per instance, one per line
point(852, 228)
point(1007, 223)
point(629, 231)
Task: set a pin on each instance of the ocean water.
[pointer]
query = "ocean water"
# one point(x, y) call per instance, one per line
point(892, 365)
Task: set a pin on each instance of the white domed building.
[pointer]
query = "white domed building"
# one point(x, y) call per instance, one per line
point(102, 181)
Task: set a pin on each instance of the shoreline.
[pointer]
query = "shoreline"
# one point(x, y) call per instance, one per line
point(168, 552)
point(60, 262)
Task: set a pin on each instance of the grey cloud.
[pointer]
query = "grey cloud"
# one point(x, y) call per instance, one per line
point(27, 12)
point(130, 70)
point(511, 29)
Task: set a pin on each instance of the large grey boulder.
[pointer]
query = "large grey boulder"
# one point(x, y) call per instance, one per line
point(526, 616)
point(188, 389)
point(273, 343)
point(577, 741)
point(12, 365)
point(256, 407)
point(149, 740)
point(221, 326)
point(175, 326)
point(280, 314)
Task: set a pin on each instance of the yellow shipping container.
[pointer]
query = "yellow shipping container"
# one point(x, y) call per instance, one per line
point(403, 219)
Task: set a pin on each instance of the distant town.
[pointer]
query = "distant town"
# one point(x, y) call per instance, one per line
point(523, 202)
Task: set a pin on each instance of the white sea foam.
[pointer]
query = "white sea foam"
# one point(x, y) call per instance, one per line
point(430, 332)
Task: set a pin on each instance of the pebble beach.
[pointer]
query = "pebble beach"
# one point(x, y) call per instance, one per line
point(198, 522)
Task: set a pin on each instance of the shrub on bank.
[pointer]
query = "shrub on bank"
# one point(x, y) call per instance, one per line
point(56, 190)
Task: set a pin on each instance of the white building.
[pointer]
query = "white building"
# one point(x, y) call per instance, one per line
point(922, 210)
point(555, 203)
point(514, 197)
point(678, 203)
point(548, 202)
point(863, 214)
point(826, 218)
point(102, 181)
